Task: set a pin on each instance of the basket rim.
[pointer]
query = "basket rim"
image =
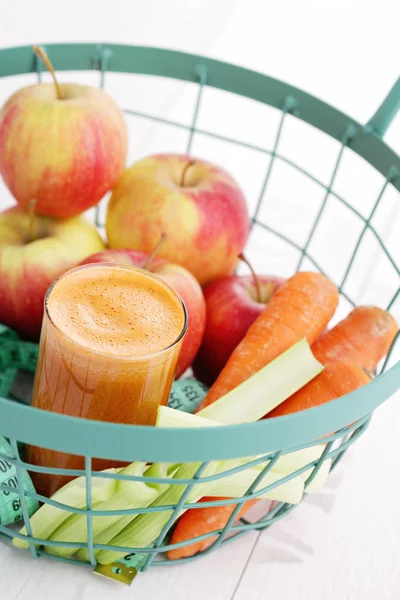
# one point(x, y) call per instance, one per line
point(147, 60)
point(152, 444)
point(123, 442)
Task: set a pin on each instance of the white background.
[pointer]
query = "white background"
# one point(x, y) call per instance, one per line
point(343, 544)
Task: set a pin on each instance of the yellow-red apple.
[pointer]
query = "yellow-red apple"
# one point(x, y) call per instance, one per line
point(183, 283)
point(33, 252)
point(233, 304)
point(65, 153)
point(197, 205)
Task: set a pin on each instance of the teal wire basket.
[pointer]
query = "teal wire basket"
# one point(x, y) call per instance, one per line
point(267, 440)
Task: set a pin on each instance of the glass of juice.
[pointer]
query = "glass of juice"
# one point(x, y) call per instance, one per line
point(109, 346)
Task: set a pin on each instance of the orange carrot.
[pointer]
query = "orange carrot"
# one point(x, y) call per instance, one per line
point(300, 308)
point(363, 338)
point(198, 521)
point(337, 379)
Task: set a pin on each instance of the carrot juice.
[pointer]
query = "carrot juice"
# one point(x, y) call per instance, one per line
point(110, 342)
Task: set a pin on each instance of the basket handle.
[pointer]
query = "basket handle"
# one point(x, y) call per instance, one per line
point(381, 120)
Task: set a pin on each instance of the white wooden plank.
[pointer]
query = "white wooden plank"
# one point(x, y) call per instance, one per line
point(214, 576)
point(342, 543)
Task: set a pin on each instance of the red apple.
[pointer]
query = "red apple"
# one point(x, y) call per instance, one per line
point(62, 145)
point(32, 254)
point(197, 205)
point(183, 282)
point(232, 306)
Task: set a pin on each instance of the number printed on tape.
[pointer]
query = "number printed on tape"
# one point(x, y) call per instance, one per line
point(187, 394)
point(10, 501)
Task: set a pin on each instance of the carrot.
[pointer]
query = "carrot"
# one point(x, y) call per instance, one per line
point(198, 521)
point(363, 338)
point(337, 379)
point(300, 308)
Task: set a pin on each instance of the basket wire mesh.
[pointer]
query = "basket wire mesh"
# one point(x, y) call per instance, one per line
point(18, 355)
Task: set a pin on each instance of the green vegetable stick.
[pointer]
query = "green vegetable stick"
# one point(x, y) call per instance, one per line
point(48, 518)
point(105, 536)
point(237, 484)
point(285, 465)
point(267, 388)
point(128, 494)
point(147, 527)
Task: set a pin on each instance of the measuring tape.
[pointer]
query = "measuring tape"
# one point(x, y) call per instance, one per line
point(187, 394)
point(10, 503)
point(124, 570)
point(14, 355)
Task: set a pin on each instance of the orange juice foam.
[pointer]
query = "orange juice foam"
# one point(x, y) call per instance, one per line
point(116, 311)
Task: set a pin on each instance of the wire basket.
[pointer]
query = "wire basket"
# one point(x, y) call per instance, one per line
point(267, 440)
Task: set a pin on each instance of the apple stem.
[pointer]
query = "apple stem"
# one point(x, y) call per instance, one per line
point(42, 54)
point(255, 276)
point(186, 167)
point(31, 220)
point(150, 259)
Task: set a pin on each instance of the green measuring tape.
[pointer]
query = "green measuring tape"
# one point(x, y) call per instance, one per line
point(187, 394)
point(10, 502)
point(14, 355)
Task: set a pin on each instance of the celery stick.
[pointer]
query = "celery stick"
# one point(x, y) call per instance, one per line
point(162, 470)
point(128, 494)
point(170, 417)
point(320, 479)
point(236, 486)
point(286, 464)
point(105, 536)
point(147, 527)
point(292, 461)
point(267, 388)
point(46, 520)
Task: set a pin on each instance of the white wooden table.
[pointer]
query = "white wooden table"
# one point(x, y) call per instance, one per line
point(342, 544)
